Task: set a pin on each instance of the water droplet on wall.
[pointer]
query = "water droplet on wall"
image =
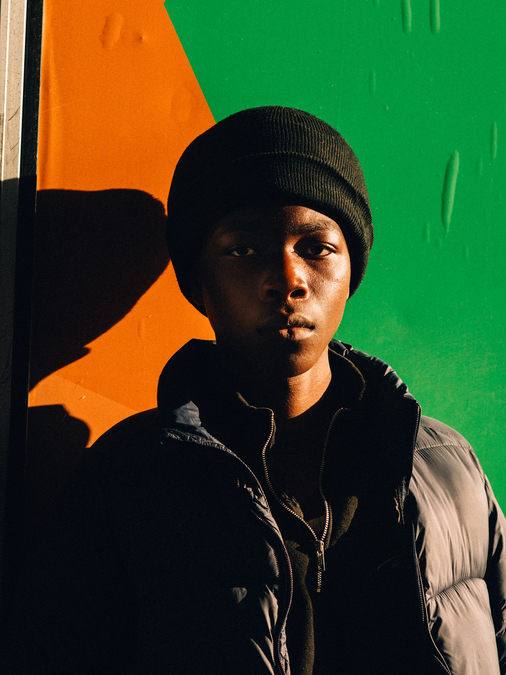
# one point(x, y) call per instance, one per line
point(406, 15)
point(111, 32)
point(449, 185)
point(435, 17)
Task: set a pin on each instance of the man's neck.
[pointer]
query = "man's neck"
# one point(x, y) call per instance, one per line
point(291, 399)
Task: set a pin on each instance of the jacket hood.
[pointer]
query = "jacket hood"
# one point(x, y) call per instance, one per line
point(193, 388)
point(194, 376)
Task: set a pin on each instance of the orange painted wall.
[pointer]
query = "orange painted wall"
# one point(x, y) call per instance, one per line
point(119, 103)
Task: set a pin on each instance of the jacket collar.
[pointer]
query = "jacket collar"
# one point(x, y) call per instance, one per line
point(193, 380)
point(194, 392)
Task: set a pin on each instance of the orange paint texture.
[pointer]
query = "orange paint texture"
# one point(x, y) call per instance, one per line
point(119, 102)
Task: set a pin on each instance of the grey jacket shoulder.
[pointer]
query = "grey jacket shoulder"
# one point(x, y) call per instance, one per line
point(437, 444)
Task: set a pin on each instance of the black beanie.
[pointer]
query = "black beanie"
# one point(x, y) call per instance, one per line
point(259, 155)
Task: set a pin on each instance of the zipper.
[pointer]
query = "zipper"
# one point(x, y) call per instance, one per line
point(319, 543)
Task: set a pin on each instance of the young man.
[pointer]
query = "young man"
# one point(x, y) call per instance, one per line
point(285, 509)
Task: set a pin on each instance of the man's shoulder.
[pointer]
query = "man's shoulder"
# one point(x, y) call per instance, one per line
point(131, 430)
point(443, 455)
point(123, 445)
point(434, 433)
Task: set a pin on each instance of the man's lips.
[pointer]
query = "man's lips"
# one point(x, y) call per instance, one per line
point(284, 322)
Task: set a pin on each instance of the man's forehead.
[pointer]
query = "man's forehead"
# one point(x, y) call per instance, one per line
point(291, 220)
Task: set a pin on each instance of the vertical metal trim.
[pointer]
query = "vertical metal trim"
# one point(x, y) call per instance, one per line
point(20, 44)
point(12, 52)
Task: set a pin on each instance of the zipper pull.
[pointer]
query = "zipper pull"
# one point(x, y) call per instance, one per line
point(399, 506)
point(320, 561)
point(320, 555)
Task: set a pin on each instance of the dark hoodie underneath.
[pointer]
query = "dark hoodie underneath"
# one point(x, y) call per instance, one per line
point(346, 628)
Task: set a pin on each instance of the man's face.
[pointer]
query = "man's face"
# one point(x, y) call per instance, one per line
point(274, 283)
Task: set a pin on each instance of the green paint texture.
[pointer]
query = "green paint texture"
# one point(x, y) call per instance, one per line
point(419, 91)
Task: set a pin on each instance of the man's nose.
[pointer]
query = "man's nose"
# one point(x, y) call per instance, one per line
point(285, 278)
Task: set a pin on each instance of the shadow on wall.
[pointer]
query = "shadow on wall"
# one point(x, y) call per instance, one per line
point(96, 254)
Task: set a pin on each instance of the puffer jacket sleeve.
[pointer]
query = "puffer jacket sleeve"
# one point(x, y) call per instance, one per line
point(460, 531)
point(496, 573)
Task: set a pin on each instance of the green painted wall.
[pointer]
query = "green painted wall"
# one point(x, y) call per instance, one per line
point(419, 91)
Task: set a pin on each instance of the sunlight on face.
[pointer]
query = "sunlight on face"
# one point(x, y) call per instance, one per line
point(274, 283)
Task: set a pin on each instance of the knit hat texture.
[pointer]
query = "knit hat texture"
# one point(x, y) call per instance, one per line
point(261, 155)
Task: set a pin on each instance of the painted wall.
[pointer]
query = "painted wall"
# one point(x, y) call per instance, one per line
point(418, 88)
point(119, 103)
point(419, 91)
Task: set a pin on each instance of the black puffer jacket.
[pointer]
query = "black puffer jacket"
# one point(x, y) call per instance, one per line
point(164, 556)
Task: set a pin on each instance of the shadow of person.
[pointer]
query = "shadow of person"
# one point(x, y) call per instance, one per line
point(95, 255)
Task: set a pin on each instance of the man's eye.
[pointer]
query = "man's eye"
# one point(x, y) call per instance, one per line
point(241, 251)
point(318, 250)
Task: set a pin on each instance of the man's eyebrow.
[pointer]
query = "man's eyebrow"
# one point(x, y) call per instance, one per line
point(309, 228)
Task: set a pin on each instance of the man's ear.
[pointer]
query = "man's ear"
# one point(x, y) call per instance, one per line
point(196, 293)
